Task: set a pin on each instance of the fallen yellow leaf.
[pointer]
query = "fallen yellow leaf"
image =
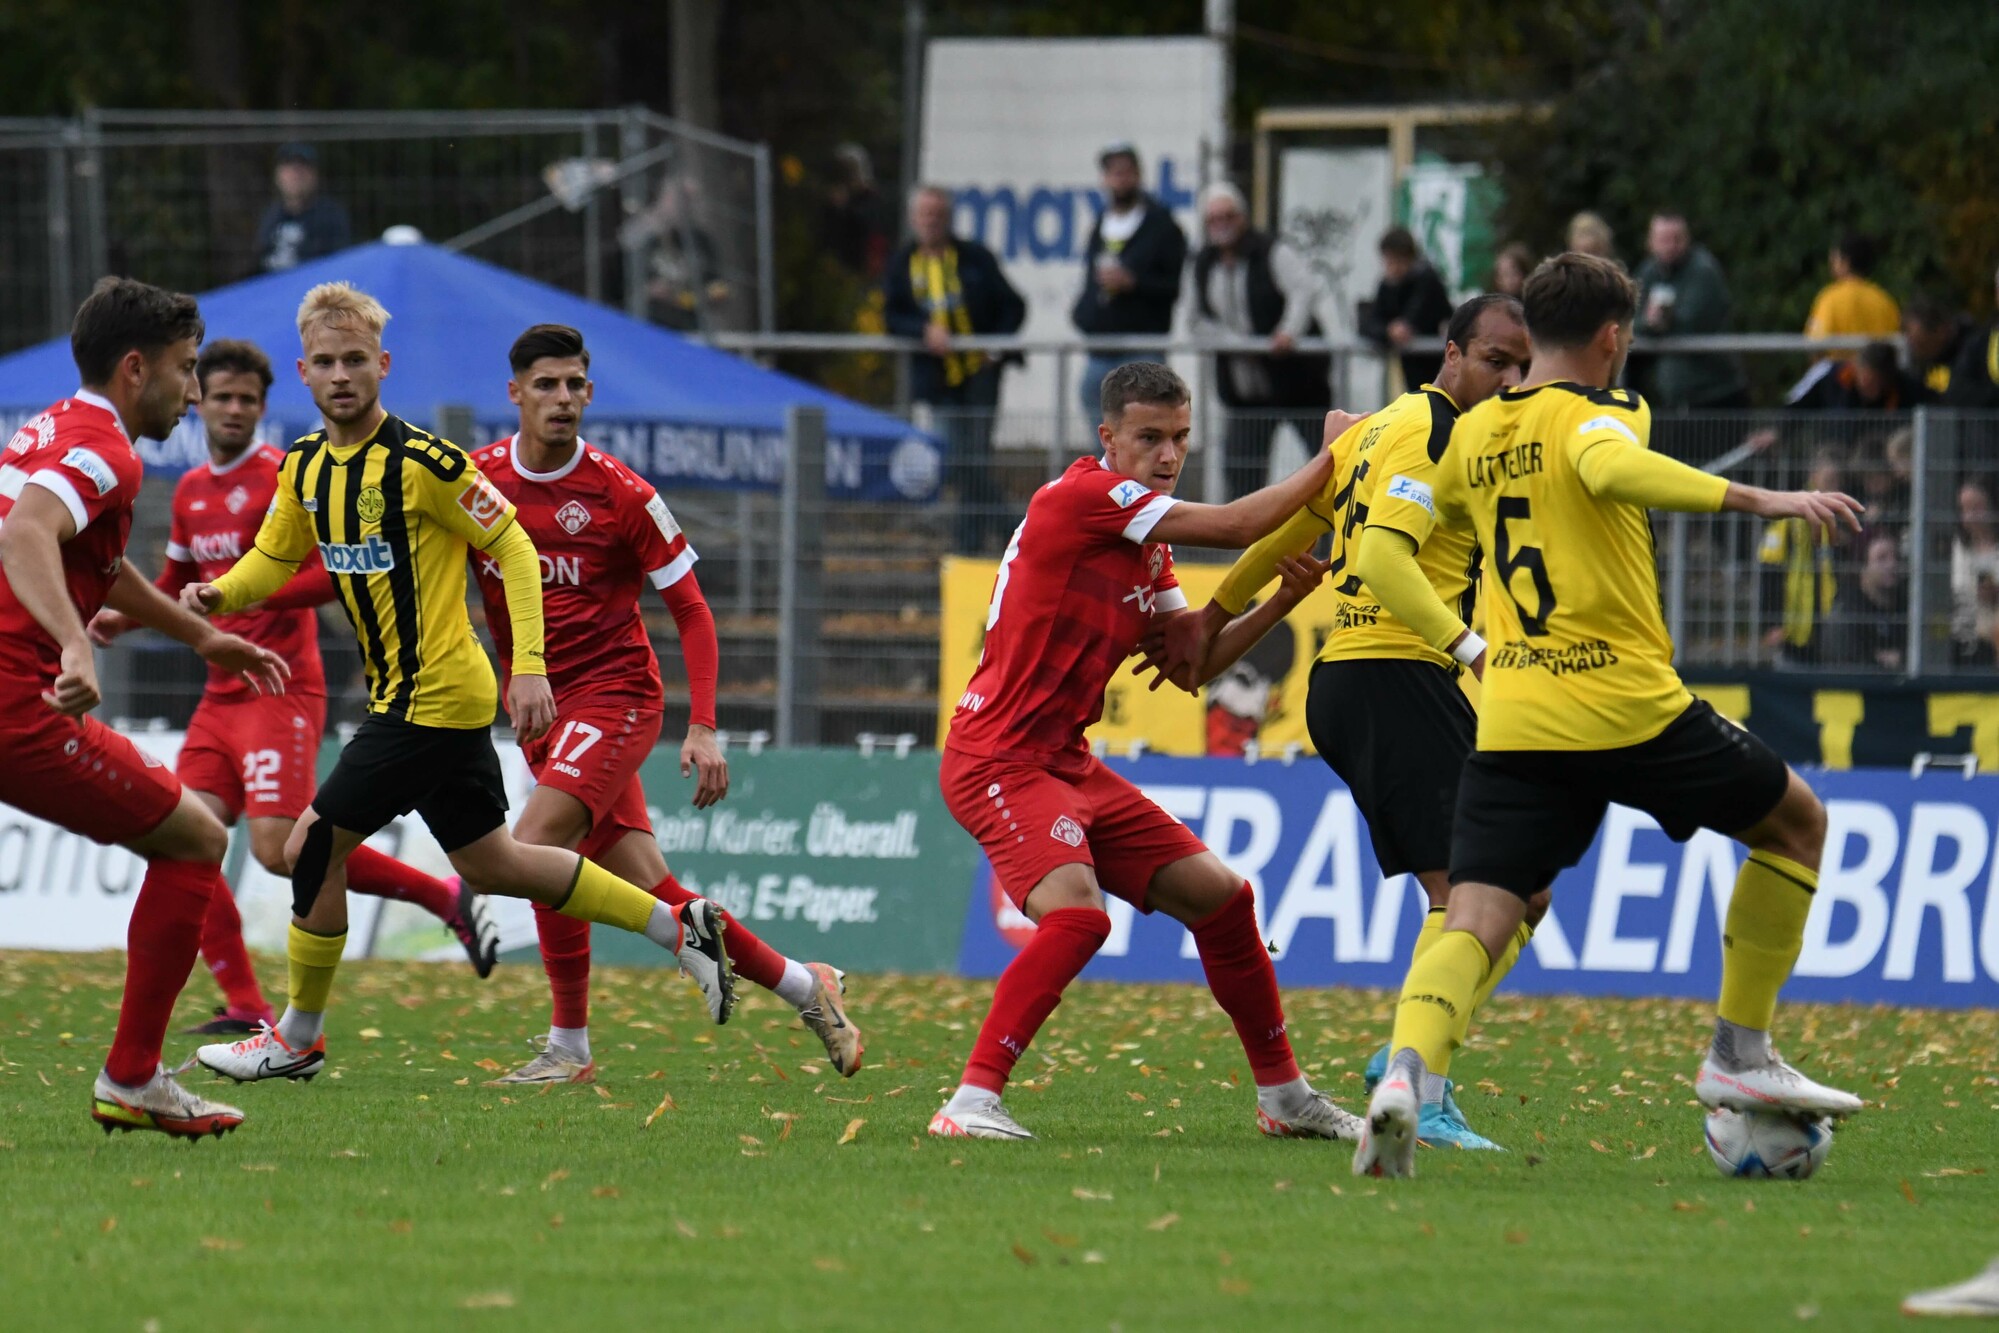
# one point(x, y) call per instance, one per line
point(853, 1130)
point(1161, 1223)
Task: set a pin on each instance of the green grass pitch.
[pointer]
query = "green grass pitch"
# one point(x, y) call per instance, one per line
point(724, 1178)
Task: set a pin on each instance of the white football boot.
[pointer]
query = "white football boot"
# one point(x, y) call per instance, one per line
point(1775, 1086)
point(263, 1056)
point(1394, 1120)
point(705, 959)
point(986, 1122)
point(1322, 1118)
point(551, 1065)
point(1968, 1299)
point(162, 1105)
point(827, 1017)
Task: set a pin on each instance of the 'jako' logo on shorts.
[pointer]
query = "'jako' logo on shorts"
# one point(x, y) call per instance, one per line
point(1067, 830)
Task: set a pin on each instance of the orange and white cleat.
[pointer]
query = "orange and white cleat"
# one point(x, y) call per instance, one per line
point(987, 1121)
point(551, 1065)
point(162, 1105)
point(263, 1056)
point(827, 1018)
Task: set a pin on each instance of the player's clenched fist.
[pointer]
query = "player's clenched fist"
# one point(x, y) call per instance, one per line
point(531, 704)
point(204, 599)
point(1339, 423)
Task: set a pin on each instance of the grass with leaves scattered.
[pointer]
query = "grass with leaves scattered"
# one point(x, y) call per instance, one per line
point(726, 1179)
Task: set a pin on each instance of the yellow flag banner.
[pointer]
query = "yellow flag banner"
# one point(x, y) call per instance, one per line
point(1260, 698)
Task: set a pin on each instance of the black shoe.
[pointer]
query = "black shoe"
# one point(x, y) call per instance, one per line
point(475, 930)
point(223, 1025)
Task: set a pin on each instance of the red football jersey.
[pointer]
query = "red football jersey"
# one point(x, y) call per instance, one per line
point(1076, 589)
point(603, 534)
point(216, 514)
point(78, 450)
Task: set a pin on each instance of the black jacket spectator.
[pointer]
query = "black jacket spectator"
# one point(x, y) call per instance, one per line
point(1411, 302)
point(990, 303)
point(301, 222)
point(1292, 381)
point(1156, 255)
point(1974, 380)
point(1874, 381)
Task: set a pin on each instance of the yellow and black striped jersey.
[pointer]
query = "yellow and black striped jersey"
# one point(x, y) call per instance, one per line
point(1404, 438)
point(1579, 657)
point(393, 517)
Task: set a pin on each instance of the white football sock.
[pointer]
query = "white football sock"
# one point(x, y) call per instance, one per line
point(572, 1043)
point(797, 986)
point(300, 1030)
point(1284, 1100)
point(663, 927)
point(1736, 1048)
point(968, 1098)
point(1432, 1091)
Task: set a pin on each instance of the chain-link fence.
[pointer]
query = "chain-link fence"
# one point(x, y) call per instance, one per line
point(667, 220)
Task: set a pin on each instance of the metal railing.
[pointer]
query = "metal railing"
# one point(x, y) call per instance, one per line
point(668, 220)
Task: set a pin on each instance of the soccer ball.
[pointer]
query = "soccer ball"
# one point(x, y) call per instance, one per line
point(1760, 1145)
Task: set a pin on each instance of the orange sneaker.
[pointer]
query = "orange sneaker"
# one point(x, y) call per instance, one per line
point(161, 1105)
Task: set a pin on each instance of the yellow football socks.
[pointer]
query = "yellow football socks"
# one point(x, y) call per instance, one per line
point(1762, 936)
point(599, 895)
point(313, 960)
point(1437, 997)
point(1433, 929)
point(1502, 965)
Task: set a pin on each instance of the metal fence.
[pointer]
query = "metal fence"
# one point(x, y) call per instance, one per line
point(669, 221)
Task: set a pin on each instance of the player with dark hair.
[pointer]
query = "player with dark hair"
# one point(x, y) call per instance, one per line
point(253, 754)
point(68, 480)
point(1385, 707)
point(1580, 705)
point(603, 534)
point(1087, 573)
point(395, 512)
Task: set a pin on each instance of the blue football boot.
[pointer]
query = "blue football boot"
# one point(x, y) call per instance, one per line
point(1442, 1125)
point(1377, 1068)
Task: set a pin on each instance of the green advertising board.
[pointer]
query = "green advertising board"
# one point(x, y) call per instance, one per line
point(826, 854)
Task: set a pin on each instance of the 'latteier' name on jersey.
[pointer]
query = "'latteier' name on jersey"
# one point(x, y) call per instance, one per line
point(1076, 589)
point(78, 452)
point(216, 514)
point(1579, 657)
point(603, 534)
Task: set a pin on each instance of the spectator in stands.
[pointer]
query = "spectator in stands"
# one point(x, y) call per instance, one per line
point(1974, 577)
point(1410, 303)
point(1974, 380)
point(856, 218)
point(1874, 381)
point(1249, 284)
point(1798, 575)
point(1589, 234)
point(1682, 290)
point(1131, 269)
point(1883, 472)
point(1852, 303)
point(301, 223)
point(940, 287)
point(1875, 628)
point(1936, 335)
point(1510, 269)
point(685, 288)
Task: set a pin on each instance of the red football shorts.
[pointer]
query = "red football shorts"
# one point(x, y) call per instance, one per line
point(594, 753)
point(258, 756)
point(1031, 820)
point(82, 775)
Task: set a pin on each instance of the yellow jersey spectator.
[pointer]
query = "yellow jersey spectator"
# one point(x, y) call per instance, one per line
point(1852, 302)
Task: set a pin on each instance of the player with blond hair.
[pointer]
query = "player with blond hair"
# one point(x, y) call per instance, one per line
point(395, 511)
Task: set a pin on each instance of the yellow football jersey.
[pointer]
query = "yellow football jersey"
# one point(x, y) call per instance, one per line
point(393, 517)
point(1579, 657)
point(1403, 439)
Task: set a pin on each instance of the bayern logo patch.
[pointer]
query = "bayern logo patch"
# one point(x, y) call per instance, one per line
point(573, 517)
point(1068, 831)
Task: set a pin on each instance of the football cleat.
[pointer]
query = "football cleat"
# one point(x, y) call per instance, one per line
point(1971, 1298)
point(162, 1105)
point(1775, 1086)
point(988, 1122)
point(827, 1018)
point(263, 1056)
point(1442, 1125)
point(228, 1023)
point(1388, 1135)
point(475, 929)
point(552, 1065)
point(705, 958)
point(1322, 1118)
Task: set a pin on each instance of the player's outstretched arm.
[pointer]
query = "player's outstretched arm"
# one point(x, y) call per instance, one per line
point(1171, 651)
point(31, 554)
point(1386, 563)
point(1825, 511)
point(137, 597)
point(1256, 515)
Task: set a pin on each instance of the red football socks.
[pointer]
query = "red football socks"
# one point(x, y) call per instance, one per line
point(1245, 985)
point(160, 947)
point(565, 956)
point(381, 875)
point(1031, 987)
point(753, 959)
point(228, 959)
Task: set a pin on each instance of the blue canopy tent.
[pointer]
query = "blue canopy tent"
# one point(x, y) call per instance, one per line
point(677, 412)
